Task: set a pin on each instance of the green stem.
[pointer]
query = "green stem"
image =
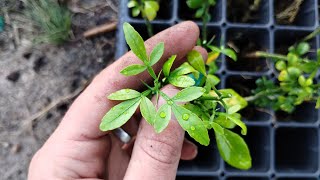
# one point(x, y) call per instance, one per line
point(204, 27)
point(262, 93)
point(269, 55)
point(149, 27)
point(311, 35)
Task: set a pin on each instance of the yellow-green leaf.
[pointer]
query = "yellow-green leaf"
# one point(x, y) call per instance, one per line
point(133, 69)
point(148, 111)
point(119, 114)
point(135, 42)
point(162, 118)
point(156, 53)
point(181, 81)
point(167, 65)
point(189, 94)
point(124, 94)
point(196, 61)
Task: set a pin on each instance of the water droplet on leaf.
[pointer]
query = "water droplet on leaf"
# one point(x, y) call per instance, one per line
point(127, 90)
point(192, 128)
point(185, 116)
point(163, 114)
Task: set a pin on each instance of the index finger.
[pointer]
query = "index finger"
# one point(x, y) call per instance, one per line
point(84, 116)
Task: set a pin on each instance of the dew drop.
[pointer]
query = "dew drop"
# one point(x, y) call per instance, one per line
point(163, 114)
point(185, 116)
point(127, 90)
point(170, 102)
point(192, 128)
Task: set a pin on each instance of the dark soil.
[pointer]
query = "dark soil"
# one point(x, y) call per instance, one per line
point(243, 11)
point(32, 76)
point(246, 44)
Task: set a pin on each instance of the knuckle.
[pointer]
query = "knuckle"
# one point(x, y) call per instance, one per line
point(161, 150)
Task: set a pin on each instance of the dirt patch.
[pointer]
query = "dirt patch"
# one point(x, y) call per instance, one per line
point(33, 76)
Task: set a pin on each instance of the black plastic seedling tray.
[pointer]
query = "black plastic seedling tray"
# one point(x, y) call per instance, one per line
point(283, 147)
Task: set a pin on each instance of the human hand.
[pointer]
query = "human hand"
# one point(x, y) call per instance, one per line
point(79, 150)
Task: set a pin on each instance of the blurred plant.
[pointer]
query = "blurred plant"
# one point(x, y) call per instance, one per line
point(200, 111)
point(53, 19)
point(1, 23)
point(296, 79)
point(148, 10)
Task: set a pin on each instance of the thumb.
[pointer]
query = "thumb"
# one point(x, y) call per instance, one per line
point(156, 156)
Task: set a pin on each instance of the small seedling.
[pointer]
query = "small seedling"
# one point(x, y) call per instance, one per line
point(148, 10)
point(204, 106)
point(53, 20)
point(296, 79)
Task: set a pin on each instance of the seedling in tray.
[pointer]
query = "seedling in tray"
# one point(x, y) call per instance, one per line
point(197, 115)
point(296, 79)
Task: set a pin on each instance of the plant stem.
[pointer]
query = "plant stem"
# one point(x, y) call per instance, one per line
point(149, 27)
point(311, 35)
point(262, 93)
point(204, 22)
point(269, 55)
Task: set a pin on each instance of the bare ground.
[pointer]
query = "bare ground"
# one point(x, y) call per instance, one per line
point(33, 76)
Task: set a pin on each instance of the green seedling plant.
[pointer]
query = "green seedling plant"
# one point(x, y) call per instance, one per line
point(53, 19)
point(198, 107)
point(148, 10)
point(202, 10)
point(296, 80)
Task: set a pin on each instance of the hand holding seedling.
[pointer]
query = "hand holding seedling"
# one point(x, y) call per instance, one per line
point(79, 150)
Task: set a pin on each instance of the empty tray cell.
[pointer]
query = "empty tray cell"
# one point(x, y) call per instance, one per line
point(285, 38)
point(247, 178)
point(295, 12)
point(245, 42)
point(296, 150)
point(248, 11)
point(165, 11)
point(196, 177)
point(301, 178)
point(185, 13)
point(258, 141)
point(304, 113)
point(244, 85)
point(208, 158)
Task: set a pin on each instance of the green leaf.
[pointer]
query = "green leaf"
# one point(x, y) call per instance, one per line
point(124, 94)
point(223, 121)
point(303, 48)
point(135, 42)
point(192, 124)
point(181, 81)
point(230, 53)
point(196, 61)
point(318, 103)
point(148, 111)
point(132, 4)
point(234, 108)
point(119, 114)
point(200, 12)
point(162, 118)
point(233, 149)
point(238, 122)
point(194, 4)
point(167, 65)
point(198, 111)
point(234, 99)
point(133, 69)
point(189, 94)
point(183, 69)
point(135, 11)
point(150, 9)
point(156, 53)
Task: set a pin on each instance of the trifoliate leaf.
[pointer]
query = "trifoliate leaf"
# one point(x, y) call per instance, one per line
point(135, 42)
point(133, 69)
point(119, 114)
point(196, 61)
point(189, 94)
point(124, 94)
point(150, 9)
point(156, 53)
point(167, 65)
point(162, 118)
point(233, 149)
point(148, 111)
point(192, 124)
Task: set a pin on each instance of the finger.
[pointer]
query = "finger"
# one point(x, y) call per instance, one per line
point(156, 156)
point(89, 108)
point(189, 150)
